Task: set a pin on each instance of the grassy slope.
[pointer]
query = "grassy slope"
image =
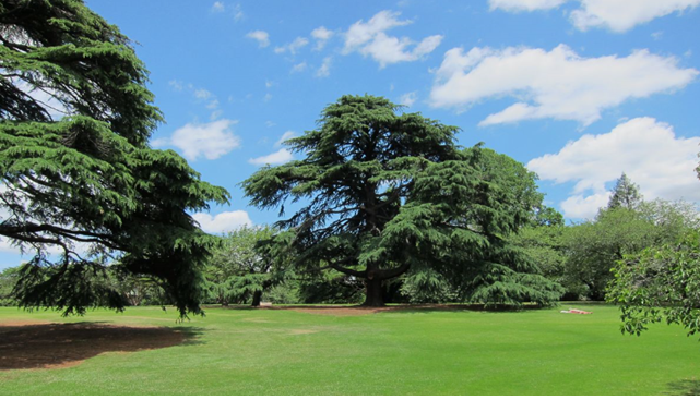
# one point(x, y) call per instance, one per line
point(263, 353)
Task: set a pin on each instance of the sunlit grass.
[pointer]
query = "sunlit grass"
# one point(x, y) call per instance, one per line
point(241, 352)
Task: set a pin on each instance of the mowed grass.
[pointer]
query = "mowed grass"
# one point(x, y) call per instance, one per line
point(262, 352)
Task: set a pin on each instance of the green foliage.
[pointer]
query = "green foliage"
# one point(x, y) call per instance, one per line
point(386, 192)
point(332, 288)
point(245, 263)
point(659, 284)
point(546, 216)
point(428, 286)
point(543, 242)
point(8, 279)
point(593, 247)
point(77, 171)
point(625, 194)
point(284, 292)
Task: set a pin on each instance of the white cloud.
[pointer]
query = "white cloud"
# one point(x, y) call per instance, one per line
point(269, 124)
point(263, 38)
point(360, 32)
point(279, 157)
point(6, 246)
point(269, 84)
point(22, 199)
point(285, 136)
point(294, 46)
point(616, 15)
point(218, 6)
point(322, 35)
point(580, 207)
point(621, 15)
point(299, 67)
point(201, 93)
point(223, 222)
point(216, 114)
point(648, 151)
point(238, 14)
point(176, 85)
point(408, 99)
point(45, 97)
point(210, 140)
point(369, 39)
point(524, 5)
point(267, 97)
point(325, 69)
point(557, 84)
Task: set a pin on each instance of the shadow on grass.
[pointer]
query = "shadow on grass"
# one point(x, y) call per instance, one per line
point(685, 387)
point(62, 345)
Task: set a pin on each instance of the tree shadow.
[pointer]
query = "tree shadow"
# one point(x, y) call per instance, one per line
point(62, 345)
point(684, 387)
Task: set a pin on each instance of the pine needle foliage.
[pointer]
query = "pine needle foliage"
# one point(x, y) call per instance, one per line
point(387, 191)
point(78, 175)
point(625, 194)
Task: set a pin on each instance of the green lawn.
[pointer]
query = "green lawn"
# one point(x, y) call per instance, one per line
point(242, 352)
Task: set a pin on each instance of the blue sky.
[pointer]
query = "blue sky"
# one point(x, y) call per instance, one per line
point(578, 90)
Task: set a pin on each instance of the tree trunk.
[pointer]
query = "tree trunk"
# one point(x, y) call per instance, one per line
point(257, 296)
point(374, 293)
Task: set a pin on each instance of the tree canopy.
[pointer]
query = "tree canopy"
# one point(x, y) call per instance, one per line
point(625, 194)
point(626, 227)
point(78, 175)
point(244, 266)
point(382, 193)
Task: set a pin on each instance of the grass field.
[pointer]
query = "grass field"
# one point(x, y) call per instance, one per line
point(262, 352)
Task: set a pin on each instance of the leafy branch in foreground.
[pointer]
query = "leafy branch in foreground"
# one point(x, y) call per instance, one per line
point(660, 284)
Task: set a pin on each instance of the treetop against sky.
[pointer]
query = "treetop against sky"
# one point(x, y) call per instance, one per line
point(578, 90)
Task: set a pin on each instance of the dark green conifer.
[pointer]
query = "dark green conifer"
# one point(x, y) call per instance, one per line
point(77, 171)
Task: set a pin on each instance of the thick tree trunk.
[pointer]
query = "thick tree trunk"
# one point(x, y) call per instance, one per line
point(374, 293)
point(257, 296)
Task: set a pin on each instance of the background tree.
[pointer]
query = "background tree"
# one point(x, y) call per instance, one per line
point(244, 266)
point(8, 279)
point(593, 247)
point(77, 170)
point(625, 194)
point(385, 192)
point(542, 239)
point(330, 287)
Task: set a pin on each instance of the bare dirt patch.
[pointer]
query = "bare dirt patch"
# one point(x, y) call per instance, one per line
point(53, 345)
point(21, 322)
point(363, 310)
point(302, 331)
point(406, 308)
point(353, 310)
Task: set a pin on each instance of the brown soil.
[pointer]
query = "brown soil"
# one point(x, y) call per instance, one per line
point(302, 331)
point(363, 310)
point(28, 345)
